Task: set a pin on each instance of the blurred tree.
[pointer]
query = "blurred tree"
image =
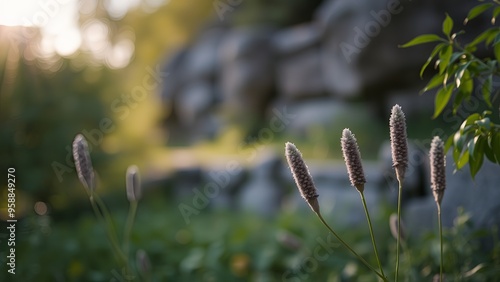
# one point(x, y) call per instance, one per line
point(46, 99)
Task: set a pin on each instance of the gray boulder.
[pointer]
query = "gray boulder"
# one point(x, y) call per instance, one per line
point(263, 193)
point(203, 61)
point(247, 73)
point(299, 73)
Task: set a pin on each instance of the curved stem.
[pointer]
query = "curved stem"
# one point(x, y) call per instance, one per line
point(371, 232)
point(350, 249)
point(400, 189)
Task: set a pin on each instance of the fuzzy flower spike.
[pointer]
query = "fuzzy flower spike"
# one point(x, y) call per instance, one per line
point(438, 184)
point(302, 176)
point(438, 174)
point(352, 159)
point(133, 184)
point(83, 163)
point(399, 146)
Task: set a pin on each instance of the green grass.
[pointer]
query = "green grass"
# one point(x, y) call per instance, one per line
point(229, 246)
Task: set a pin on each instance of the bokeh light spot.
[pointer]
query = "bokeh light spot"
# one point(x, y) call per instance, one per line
point(41, 208)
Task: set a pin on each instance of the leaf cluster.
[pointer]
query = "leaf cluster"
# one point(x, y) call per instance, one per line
point(460, 74)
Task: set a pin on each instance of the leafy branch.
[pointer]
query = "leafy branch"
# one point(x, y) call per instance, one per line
point(458, 69)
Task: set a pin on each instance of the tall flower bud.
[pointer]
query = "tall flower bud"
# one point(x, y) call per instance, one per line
point(352, 159)
point(438, 172)
point(399, 144)
point(83, 164)
point(302, 176)
point(133, 184)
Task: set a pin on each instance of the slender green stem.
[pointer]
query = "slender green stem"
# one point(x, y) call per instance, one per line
point(350, 249)
point(400, 190)
point(113, 235)
point(109, 220)
point(106, 220)
point(406, 251)
point(128, 227)
point(371, 232)
point(440, 243)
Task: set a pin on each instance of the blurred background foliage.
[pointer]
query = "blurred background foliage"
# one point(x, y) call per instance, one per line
point(47, 98)
point(48, 95)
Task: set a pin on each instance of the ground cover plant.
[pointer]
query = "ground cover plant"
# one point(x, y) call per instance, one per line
point(227, 246)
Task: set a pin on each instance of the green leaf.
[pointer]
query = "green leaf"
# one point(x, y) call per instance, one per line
point(458, 140)
point(444, 58)
point(488, 151)
point(475, 165)
point(467, 83)
point(484, 123)
point(447, 25)
point(477, 66)
point(433, 54)
point(495, 145)
point(460, 72)
point(476, 11)
point(448, 143)
point(494, 37)
point(496, 50)
point(481, 37)
point(471, 145)
point(458, 100)
point(455, 56)
point(456, 154)
point(476, 156)
point(481, 143)
point(486, 113)
point(496, 12)
point(469, 120)
point(462, 160)
point(435, 81)
point(442, 98)
point(486, 90)
point(421, 39)
point(496, 40)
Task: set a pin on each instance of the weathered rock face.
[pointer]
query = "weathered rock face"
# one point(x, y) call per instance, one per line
point(268, 188)
point(246, 73)
point(300, 75)
point(307, 75)
point(349, 50)
point(264, 191)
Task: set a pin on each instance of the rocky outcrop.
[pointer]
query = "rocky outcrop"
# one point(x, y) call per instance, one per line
point(349, 50)
point(312, 72)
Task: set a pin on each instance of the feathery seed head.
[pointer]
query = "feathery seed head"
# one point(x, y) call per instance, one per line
point(302, 176)
point(399, 145)
point(438, 172)
point(352, 160)
point(83, 164)
point(133, 184)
